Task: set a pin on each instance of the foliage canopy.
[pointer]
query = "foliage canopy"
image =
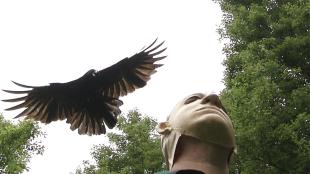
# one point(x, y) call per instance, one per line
point(134, 148)
point(18, 142)
point(267, 80)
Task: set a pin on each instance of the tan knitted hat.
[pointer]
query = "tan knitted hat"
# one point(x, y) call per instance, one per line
point(198, 115)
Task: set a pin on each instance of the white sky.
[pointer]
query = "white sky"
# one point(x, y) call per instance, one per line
point(58, 41)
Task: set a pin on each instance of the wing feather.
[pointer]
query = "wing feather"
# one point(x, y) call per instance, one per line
point(21, 105)
point(15, 99)
point(116, 90)
point(125, 88)
point(29, 110)
point(75, 120)
point(91, 126)
point(128, 85)
point(83, 126)
point(24, 86)
point(155, 48)
point(130, 73)
point(97, 128)
point(150, 45)
point(16, 92)
point(141, 75)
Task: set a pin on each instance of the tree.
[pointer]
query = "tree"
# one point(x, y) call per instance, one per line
point(18, 142)
point(267, 80)
point(133, 149)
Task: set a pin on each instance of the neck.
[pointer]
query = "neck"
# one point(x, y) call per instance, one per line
point(206, 157)
point(205, 167)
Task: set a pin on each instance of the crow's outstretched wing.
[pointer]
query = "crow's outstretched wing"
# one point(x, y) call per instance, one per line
point(130, 73)
point(84, 109)
point(93, 99)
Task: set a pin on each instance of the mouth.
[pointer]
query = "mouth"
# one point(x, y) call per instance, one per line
point(213, 109)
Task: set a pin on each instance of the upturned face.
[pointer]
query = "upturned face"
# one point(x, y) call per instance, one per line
point(204, 117)
point(201, 116)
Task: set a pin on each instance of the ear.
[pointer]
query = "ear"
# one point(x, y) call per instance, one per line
point(232, 153)
point(163, 128)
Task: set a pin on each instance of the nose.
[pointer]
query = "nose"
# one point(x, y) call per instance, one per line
point(214, 100)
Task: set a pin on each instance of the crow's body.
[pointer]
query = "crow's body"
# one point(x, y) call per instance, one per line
point(91, 100)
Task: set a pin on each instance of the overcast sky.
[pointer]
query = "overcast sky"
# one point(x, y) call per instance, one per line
point(58, 41)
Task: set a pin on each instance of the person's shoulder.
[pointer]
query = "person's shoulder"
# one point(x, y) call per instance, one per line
point(181, 172)
point(164, 172)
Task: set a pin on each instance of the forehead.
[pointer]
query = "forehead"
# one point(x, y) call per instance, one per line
point(195, 94)
point(182, 102)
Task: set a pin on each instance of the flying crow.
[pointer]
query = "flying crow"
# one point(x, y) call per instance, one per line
point(92, 100)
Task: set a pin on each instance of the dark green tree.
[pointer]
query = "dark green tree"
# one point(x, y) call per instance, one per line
point(267, 82)
point(133, 149)
point(18, 142)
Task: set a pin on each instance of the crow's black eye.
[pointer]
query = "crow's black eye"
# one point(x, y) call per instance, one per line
point(192, 99)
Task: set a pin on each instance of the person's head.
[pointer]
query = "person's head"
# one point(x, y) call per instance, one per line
point(199, 122)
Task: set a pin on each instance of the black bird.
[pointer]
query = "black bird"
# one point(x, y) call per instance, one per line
point(93, 99)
